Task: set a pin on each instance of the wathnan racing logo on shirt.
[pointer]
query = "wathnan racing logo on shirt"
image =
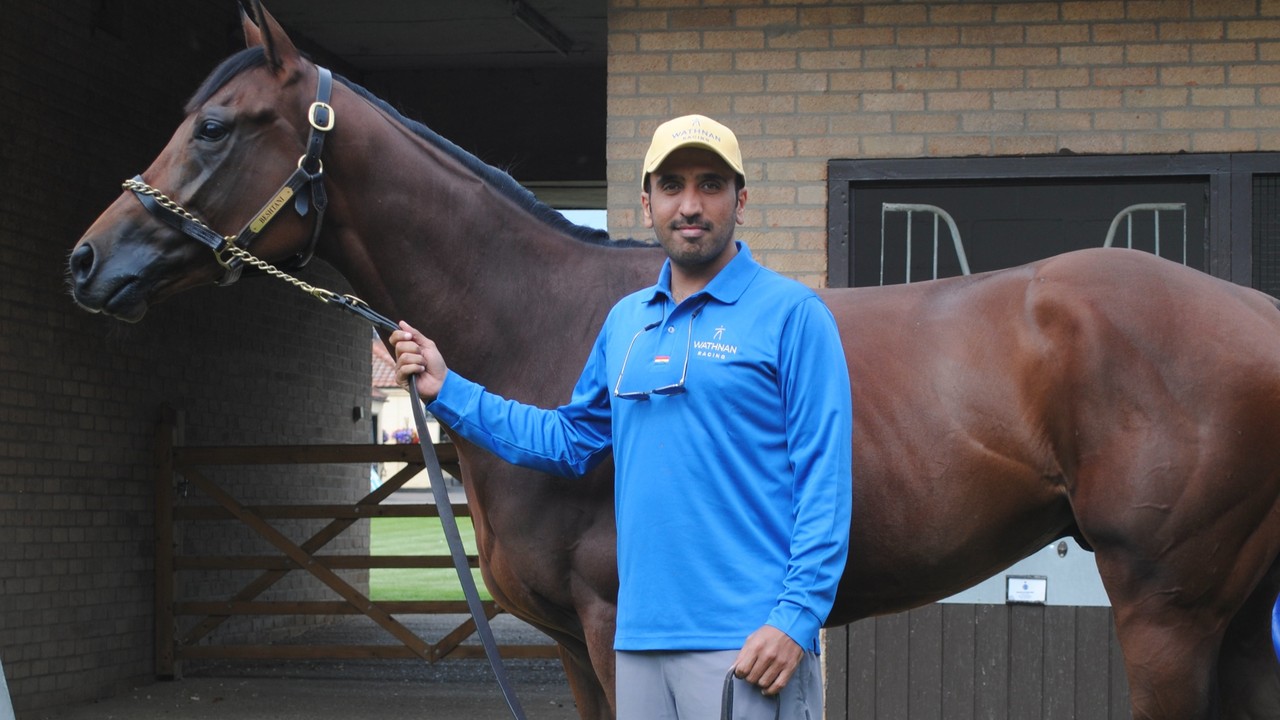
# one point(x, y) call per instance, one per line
point(716, 348)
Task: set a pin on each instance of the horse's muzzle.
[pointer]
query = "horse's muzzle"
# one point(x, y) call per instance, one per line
point(119, 295)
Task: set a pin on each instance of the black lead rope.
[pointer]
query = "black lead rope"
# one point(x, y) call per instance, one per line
point(726, 697)
point(447, 520)
point(454, 538)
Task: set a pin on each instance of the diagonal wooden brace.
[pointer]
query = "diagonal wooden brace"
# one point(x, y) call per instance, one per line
point(305, 560)
point(313, 544)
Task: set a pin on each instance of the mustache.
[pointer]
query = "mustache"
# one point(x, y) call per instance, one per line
point(693, 222)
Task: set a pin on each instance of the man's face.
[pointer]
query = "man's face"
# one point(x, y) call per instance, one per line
point(692, 206)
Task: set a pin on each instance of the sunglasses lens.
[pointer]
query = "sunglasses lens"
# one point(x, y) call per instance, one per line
point(676, 389)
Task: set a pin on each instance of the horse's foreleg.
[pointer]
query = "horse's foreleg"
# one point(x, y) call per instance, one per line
point(593, 703)
point(589, 695)
point(588, 661)
point(597, 667)
point(590, 665)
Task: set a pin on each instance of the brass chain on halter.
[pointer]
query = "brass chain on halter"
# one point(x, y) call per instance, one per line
point(137, 185)
point(231, 248)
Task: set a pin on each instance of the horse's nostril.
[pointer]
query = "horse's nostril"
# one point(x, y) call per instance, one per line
point(82, 262)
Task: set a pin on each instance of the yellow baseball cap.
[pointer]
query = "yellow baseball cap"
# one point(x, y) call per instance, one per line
point(693, 131)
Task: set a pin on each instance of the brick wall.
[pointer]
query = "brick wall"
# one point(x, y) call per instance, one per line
point(92, 91)
point(804, 82)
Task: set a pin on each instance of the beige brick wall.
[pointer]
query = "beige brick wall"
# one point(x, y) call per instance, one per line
point(805, 82)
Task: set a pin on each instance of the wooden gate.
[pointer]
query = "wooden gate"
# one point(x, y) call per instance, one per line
point(173, 646)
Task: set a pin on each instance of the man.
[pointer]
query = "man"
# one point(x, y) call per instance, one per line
point(723, 394)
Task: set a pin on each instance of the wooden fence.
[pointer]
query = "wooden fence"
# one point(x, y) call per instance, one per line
point(173, 646)
point(994, 662)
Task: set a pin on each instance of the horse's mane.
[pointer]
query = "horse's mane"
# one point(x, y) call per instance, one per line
point(252, 57)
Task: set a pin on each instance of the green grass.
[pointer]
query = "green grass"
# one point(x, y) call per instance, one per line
point(417, 536)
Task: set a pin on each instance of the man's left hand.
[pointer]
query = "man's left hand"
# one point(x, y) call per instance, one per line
point(768, 659)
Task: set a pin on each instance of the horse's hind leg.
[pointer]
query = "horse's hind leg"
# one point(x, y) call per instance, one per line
point(1186, 529)
point(1248, 673)
point(1196, 639)
point(1195, 642)
point(1169, 659)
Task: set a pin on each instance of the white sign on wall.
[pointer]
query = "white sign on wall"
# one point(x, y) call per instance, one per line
point(1069, 573)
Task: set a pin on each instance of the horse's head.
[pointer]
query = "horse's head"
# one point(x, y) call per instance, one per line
point(246, 154)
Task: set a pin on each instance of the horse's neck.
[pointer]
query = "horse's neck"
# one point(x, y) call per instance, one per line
point(512, 302)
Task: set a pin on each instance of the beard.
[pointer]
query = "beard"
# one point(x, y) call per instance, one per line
point(694, 253)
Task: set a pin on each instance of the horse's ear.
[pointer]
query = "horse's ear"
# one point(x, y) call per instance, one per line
point(263, 30)
point(252, 38)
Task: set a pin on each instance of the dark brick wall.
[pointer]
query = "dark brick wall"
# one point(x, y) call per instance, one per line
point(535, 123)
point(91, 93)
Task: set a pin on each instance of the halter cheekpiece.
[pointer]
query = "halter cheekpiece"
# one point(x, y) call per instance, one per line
point(310, 172)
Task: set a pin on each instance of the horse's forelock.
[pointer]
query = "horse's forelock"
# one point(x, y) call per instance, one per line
point(247, 58)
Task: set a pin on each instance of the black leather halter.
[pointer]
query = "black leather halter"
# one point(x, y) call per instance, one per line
point(308, 175)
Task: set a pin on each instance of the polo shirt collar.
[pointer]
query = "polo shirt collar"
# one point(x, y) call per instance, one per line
point(727, 286)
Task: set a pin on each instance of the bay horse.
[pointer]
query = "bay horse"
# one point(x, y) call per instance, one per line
point(1103, 394)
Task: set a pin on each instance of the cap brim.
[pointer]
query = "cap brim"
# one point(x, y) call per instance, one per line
point(655, 162)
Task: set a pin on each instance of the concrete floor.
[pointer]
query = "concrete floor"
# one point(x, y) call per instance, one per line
point(344, 690)
point(339, 696)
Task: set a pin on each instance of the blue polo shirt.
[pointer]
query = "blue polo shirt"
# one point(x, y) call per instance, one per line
point(733, 497)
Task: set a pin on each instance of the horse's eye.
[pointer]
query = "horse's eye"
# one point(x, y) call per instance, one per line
point(211, 130)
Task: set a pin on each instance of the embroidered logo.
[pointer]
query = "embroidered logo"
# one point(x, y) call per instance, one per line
point(715, 348)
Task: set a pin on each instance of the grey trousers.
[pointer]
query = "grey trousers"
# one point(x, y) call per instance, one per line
point(689, 685)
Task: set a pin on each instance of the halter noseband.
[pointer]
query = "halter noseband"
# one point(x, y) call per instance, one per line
point(310, 172)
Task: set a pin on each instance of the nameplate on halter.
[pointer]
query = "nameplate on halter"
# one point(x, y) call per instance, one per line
point(1026, 589)
point(270, 209)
